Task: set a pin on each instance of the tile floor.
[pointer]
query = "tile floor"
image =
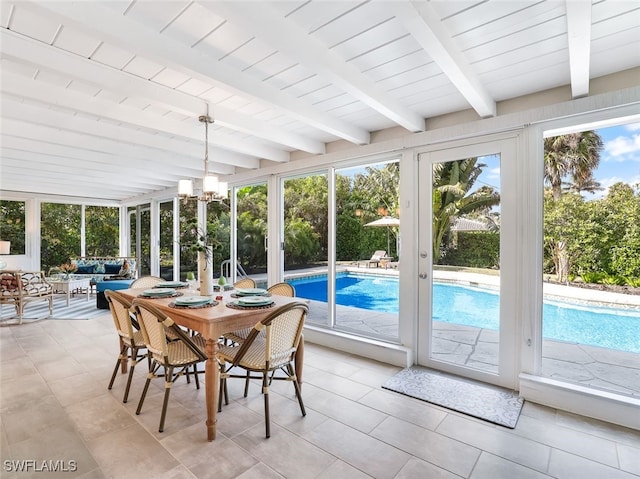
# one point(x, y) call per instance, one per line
point(56, 410)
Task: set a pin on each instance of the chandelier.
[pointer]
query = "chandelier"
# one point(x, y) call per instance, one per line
point(212, 188)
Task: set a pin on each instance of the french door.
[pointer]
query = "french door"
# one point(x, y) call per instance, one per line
point(467, 263)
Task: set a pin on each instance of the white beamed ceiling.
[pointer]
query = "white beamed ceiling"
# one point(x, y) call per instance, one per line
point(100, 99)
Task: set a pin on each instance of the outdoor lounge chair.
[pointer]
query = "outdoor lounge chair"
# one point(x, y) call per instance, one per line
point(376, 257)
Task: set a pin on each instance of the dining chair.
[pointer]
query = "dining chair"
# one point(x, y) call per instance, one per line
point(280, 289)
point(245, 283)
point(265, 354)
point(132, 345)
point(173, 357)
point(146, 282)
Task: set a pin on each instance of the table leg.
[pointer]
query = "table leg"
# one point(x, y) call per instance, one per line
point(211, 384)
point(88, 290)
point(68, 291)
point(299, 359)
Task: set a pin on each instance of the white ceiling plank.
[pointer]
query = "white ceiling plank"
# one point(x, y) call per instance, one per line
point(579, 36)
point(16, 47)
point(123, 31)
point(136, 119)
point(422, 21)
point(268, 24)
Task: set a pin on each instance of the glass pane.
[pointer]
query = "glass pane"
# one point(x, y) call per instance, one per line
point(306, 239)
point(591, 310)
point(188, 256)
point(132, 216)
point(466, 262)
point(218, 227)
point(144, 238)
point(102, 226)
point(12, 225)
point(60, 234)
point(252, 230)
point(367, 238)
point(166, 240)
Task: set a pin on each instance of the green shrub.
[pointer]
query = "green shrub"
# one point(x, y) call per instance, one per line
point(592, 277)
point(613, 279)
point(633, 282)
point(474, 249)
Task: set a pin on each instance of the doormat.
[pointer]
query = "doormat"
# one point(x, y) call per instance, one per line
point(491, 403)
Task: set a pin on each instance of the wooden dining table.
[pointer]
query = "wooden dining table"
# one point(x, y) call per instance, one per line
point(211, 323)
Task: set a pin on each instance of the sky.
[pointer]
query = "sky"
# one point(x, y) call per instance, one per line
point(620, 157)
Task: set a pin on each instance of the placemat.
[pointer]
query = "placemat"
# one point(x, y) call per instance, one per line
point(186, 306)
point(174, 295)
point(237, 306)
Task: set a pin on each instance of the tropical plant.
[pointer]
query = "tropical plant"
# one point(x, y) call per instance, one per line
point(453, 196)
point(569, 162)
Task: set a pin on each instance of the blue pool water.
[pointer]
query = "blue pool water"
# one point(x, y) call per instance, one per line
point(605, 327)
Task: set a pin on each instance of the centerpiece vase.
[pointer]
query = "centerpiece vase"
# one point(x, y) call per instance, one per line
point(205, 271)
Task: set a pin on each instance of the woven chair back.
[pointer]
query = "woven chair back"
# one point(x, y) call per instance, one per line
point(146, 282)
point(120, 308)
point(282, 289)
point(282, 331)
point(153, 330)
point(245, 283)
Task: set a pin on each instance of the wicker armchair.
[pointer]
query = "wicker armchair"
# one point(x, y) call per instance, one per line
point(146, 282)
point(266, 354)
point(174, 357)
point(22, 287)
point(244, 283)
point(131, 340)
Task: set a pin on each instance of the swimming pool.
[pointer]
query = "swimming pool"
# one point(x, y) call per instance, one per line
point(597, 326)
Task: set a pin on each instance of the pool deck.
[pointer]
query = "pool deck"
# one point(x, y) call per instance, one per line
point(591, 366)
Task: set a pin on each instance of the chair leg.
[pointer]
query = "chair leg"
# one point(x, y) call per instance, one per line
point(146, 388)
point(168, 377)
point(265, 393)
point(296, 386)
point(134, 360)
point(195, 375)
point(246, 385)
point(122, 354)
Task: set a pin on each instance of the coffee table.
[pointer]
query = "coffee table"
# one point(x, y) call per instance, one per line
point(71, 285)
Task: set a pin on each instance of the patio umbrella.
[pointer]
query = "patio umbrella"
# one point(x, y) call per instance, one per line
point(387, 222)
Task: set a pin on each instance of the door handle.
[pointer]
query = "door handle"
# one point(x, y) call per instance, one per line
point(423, 275)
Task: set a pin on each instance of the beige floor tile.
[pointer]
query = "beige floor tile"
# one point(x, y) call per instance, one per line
point(131, 452)
point(99, 415)
point(417, 468)
point(342, 470)
point(29, 419)
point(365, 453)
point(563, 465)
point(411, 410)
point(357, 416)
point(447, 453)
point(496, 440)
point(602, 429)
point(78, 388)
point(278, 451)
point(260, 471)
point(569, 440)
point(629, 458)
point(494, 467)
point(331, 382)
point(222, 460)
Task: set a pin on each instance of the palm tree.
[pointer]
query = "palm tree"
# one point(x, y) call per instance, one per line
point(452, 182)
point(571, 157)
